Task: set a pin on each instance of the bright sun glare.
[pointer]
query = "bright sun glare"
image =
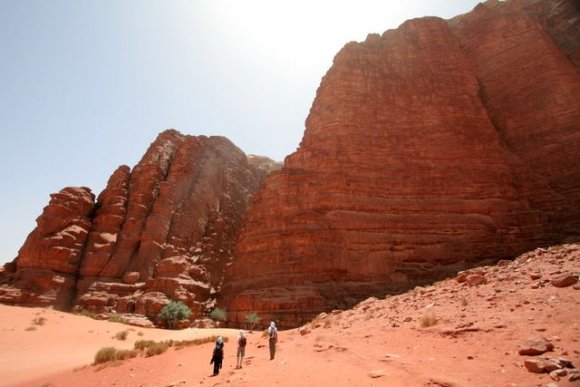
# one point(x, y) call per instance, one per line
point(273, 32)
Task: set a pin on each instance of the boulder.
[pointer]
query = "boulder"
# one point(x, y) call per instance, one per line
point(535, 346)
point(537, 366)
point(564, 280)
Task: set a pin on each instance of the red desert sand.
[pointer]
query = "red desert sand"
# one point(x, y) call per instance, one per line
point(464, 331)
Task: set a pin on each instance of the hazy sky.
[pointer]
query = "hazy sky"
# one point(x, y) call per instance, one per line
point(86, 85)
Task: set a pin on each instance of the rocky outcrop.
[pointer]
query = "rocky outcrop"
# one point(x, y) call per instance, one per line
point(429, 149)
point(163, 231)
point(182, 207)
point(264, 165)
point(44, 273)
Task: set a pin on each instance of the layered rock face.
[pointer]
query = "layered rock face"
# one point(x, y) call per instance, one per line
point(164, 231)
point(428, 149)
point(47, 264)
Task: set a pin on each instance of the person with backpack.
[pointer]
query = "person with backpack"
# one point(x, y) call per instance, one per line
point(241, 349)
point(218, 355)
point(273, 333)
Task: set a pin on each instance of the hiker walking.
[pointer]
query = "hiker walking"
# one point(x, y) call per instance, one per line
point(218, 355)
point(241, 349)
point(273, 333)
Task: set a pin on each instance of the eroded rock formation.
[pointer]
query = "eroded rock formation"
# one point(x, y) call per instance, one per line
point(163, 231)
point(431, 148)
point(44, 273)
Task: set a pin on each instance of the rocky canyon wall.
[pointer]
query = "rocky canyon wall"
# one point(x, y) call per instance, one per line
point(163, 231)
point(431, 148)
point(438, 146)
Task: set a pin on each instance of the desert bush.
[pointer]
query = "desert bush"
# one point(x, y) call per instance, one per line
point(31, 328)
point(39, 320)
point(105, 354)
point(428, 320)
point(219, 314)
point(108, 354)
point(157, 348)
point(87, 313)
point(123, 354)
point(151, 348)
point(143, 344)
point(121, 335)
point(117, 318)
point(252, 318)
point(174, 311)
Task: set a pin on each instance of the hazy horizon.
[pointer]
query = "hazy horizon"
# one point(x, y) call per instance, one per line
point(86, 86)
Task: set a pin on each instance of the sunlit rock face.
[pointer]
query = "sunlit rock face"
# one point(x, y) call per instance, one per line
point(163, 231)
point(44, 273)
point(182, 207)
point(431, 148)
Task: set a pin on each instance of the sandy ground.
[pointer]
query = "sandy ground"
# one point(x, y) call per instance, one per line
point(474, 341)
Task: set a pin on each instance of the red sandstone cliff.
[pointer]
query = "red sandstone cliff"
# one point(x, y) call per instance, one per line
point(428, 149)
point(164, 231)
point(437, 146)
point(44, 273)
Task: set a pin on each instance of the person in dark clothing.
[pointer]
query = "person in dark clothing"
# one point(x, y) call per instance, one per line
point(218, 355)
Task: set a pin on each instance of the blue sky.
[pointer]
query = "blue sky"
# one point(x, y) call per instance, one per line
point(86, 85)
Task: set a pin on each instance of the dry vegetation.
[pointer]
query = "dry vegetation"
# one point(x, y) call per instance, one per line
point(147, 348)
point(121, 335)
point(428, 320)
point(39, 321)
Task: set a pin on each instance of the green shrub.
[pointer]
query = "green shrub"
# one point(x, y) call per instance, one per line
point(218, 314)
point(174, 311)
point(252, 318)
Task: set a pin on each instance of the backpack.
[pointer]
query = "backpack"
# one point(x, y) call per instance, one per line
point(242, 341)
point(273, 333)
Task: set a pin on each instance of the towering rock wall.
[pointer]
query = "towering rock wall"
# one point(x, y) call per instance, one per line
point(164, 231)
point(181, 207)
point(528, 86)
point(437, 146)
point(427, 149)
